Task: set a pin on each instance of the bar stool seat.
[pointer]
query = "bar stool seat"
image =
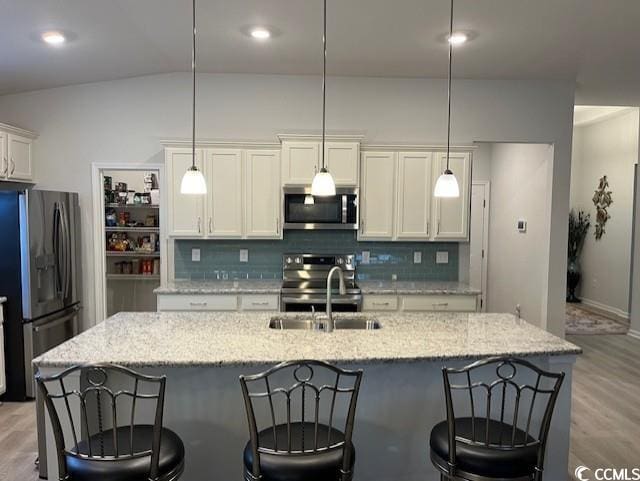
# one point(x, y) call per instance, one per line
point(325, 464)
point(171, 462)
point(485, 460)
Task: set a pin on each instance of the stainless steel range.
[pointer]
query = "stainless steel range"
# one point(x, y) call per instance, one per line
point(304, 283)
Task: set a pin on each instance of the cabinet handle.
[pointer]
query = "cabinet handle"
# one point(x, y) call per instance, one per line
point(277, 225)
point(199, 227)
point(197, 303)
point(210, 225)
point(265, 303)
point(440, 304)
point(6, 166)
point(380, 303)
point(361, 223)
point(438, 230)
point(13, 166)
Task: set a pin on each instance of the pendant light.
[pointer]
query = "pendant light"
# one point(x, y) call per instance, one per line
point(447, 184)
point(323, 183)
point(193, 181)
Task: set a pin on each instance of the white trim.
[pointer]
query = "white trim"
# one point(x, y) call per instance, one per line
point(633, 333)
point(99, 261)
point(601, 308)
point(222, 144)
point(318, 137)
point(18, 131)
point(485, 241)
point(394, 147)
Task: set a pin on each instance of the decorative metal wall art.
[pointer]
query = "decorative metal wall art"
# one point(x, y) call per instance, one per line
point(602, 200)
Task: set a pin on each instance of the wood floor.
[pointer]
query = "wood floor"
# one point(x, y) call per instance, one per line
point(605, 422)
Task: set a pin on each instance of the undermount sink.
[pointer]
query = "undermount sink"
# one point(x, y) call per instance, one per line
point(319, 323)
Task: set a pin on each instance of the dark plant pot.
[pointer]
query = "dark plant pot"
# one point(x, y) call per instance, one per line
point(573, 279)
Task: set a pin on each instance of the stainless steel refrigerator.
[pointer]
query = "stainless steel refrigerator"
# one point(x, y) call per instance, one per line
point(39, 276)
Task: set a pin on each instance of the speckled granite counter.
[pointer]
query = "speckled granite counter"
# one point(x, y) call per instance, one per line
point(234, 339)
point(221, 287)
point(416, 287)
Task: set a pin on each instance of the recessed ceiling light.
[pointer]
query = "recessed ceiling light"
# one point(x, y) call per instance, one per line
point(53, 37)
point(457, 38)
point(260, 33)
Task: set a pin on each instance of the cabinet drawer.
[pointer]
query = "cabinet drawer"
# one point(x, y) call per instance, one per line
point(197, 302)
point(449, 302)
point(379, 303)
point(259, 303)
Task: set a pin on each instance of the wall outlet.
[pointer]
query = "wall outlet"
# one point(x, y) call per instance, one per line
point(195, 255)
point(394, 277)
point(244, 255)
point(365, 257)
point(417, 257)
point(442, 257)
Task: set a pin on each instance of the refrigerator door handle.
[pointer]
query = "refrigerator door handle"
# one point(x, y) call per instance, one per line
point(56, 247)
point(67, 251)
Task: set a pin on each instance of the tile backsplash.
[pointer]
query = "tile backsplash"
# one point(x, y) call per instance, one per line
point(220, 259)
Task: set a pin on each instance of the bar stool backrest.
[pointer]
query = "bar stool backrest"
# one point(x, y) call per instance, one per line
point(97, 408)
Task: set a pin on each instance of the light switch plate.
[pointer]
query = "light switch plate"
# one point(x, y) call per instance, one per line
point(522, 225)
point(442, 257)
point(195, 255)
point(365, 257)
point(417, 257)
point(244, 255)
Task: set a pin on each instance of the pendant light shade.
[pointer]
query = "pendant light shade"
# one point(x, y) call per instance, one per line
point(193, 181)
point(323, 184)
point(447, 184)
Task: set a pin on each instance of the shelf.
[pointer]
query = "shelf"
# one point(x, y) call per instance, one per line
point(132, 229)
point(134, 277)
point(132, 254)
point(132, 206)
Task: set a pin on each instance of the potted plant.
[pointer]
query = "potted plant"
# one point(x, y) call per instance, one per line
point(578, 227)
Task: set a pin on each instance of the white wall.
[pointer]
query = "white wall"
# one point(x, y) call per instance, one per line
point(519, 190)
point(608, 147)
point(635, 287)
point(124, 120)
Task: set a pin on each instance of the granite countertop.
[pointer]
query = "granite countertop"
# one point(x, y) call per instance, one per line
point(185, 339)
point(416, 287)
point(246, 286)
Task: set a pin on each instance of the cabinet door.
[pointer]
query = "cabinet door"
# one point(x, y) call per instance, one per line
point(342, 160)
point(186, 211)
point(262, 194)
point(377, 196)
point(452, 215)
point(413, 213)
point(300, 162)
point(19, 155)
point(4, 160)
point(223, 170)
point(3, 377)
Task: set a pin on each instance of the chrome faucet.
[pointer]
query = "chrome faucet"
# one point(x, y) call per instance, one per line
point(330, 324)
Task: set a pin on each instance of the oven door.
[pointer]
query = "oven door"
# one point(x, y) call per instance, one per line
point(304, 211)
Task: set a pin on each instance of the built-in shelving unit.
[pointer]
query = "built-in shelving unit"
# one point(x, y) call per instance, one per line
point(132, 254)
point(132, 229)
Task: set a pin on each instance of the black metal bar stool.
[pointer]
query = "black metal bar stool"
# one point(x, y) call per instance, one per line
point(503, 432)
point(293, 410)
point(102, 442)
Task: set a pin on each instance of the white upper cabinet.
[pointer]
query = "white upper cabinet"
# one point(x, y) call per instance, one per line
point(377, 196)
point(16, 159)
point(451, 216)
point(263, 195)
point(413, 212)
point(300, 161)
point(343, 160)
point(186, 211)
point(223, 171)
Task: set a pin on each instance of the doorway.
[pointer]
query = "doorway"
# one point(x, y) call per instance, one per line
point(479, 239)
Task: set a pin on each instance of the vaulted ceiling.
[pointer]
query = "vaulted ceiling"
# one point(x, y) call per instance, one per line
point(594, 42)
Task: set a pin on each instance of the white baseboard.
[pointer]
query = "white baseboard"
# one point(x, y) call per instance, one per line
point(601, 308)
point(633, 333)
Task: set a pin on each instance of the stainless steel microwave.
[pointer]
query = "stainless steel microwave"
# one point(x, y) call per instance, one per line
point(304, 211)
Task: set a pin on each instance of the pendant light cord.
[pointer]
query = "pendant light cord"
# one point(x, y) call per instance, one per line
point(324, 77)
point(449, 85)
point(193, 106)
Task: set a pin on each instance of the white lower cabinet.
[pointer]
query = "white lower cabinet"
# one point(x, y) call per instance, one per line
point(218, 302)
point(3, 375)
point(420, 302)
point(243, 194)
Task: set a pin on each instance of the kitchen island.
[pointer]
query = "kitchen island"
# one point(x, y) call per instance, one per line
point(203, 353)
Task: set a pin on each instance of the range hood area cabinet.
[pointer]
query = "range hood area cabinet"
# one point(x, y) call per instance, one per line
point(16, 163)
point(243, 197)
point(301, 159)
point(397, 201)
